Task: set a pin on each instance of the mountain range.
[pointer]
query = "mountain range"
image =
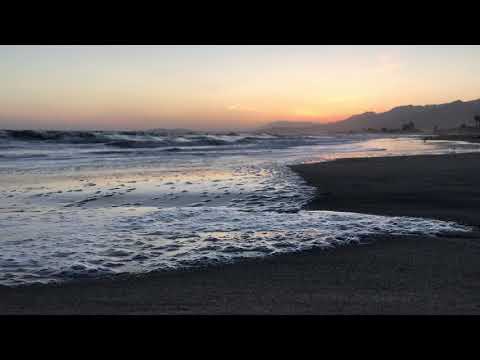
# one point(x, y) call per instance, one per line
point(426, 117)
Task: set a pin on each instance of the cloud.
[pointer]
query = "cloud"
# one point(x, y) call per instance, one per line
point(240, 108)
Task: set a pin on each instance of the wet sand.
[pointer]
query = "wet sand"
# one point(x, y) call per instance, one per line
point(445, 187)
point(387, 275)
point(473, 137)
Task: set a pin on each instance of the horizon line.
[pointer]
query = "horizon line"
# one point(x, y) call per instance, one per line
point(240, 129)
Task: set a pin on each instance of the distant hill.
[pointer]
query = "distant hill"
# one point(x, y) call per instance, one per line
point(290, 124)
point(292, 128)
point(443, 116)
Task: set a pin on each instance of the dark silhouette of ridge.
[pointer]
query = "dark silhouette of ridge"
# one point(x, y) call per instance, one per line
point(427, 117)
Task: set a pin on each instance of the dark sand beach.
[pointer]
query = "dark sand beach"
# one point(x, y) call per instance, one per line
point(386, 275)
point(473, 137)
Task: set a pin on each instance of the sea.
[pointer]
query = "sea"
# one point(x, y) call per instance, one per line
point(83, 204)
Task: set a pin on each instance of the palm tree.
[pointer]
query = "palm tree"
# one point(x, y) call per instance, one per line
point(408, 126)
point(477, 120)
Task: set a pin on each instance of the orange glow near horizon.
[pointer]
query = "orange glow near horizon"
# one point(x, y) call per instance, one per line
point(223, 87)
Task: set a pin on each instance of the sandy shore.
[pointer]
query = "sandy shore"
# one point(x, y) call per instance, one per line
point(472, 138)
point(414, 275)
point(445, 187)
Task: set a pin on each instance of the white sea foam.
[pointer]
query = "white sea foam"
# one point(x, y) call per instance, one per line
point(93, 211)
point(176, 237)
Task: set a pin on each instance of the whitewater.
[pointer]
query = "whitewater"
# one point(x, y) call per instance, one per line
point(80, 204)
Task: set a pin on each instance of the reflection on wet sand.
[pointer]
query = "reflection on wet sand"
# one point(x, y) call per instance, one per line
point(60, 223)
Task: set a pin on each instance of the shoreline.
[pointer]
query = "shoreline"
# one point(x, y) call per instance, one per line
point(442, 187)
point(408, 274)
point(471, 138)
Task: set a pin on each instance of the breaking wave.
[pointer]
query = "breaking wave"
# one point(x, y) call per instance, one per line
point(157, 139)
point(88, 204)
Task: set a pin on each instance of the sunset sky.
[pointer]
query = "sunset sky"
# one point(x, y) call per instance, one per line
point(223, 87)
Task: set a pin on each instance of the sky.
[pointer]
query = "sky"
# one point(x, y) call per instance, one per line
point(223, 87)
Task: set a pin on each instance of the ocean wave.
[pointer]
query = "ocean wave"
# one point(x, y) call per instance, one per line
point(109, 210)
point(199, 141)
point(157, 139)
point(52, 136)
point(22, 156)
point(185, 237)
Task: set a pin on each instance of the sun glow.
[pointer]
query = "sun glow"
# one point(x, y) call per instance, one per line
point(223, 86)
